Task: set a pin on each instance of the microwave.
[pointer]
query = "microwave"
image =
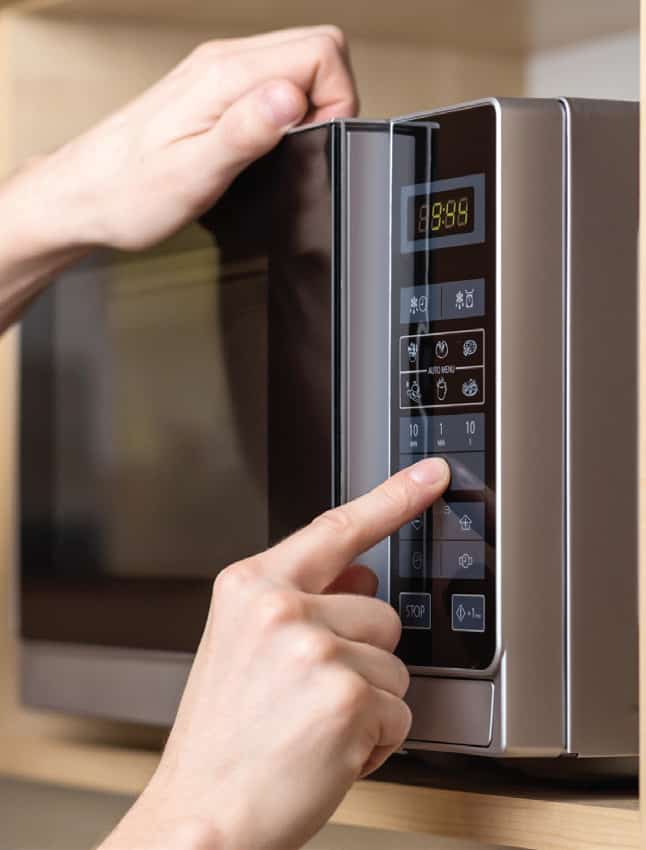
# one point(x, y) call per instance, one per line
point(461, 282)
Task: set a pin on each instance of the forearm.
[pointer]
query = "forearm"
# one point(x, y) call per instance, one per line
point(36, 236)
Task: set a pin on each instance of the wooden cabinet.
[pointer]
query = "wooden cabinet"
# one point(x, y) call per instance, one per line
point(66, 63)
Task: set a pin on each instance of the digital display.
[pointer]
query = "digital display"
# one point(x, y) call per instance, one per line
point(441, 214)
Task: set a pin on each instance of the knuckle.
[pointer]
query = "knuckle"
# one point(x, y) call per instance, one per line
point(206, 51)
point(336, 34)
point(403, 678)
point(350, 696)
point(314, 647)
point(279, 607)
point(389, 624)
point(406, 720)
point(234, 581)
point(336, 521)
point(328, 46)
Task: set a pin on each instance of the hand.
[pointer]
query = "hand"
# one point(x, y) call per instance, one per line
point(166, 157)
point(294, 692)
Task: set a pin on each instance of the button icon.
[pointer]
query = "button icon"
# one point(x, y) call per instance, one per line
point(459, 521)
point(413, 530)
point(412, 555)
point(441, 349)
point(441, 389)
point(470, 388)
point(462, 560)
point(469, 348)
point(413, 392)
point(465, 560)
point(463, 298)
point(468, 612)
point(412, 353)
point(465, 522)
point(415, 610)
point(417, 562)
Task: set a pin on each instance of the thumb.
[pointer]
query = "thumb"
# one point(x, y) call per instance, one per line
point(253, 125)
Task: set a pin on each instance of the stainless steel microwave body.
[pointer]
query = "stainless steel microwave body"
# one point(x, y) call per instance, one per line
point(461, 282)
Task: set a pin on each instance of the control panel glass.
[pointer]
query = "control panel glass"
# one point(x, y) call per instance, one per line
point(443, 382)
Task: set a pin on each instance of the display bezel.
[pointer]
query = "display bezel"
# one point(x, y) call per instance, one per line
point(476, 182)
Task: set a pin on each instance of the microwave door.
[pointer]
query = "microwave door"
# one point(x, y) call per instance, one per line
point(176, 410)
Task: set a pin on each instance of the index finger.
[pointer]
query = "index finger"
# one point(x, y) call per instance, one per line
point(314, 556)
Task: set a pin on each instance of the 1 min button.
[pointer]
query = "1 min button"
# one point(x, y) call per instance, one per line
point(468, 612)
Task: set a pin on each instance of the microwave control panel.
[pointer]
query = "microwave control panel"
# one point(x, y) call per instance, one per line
point(442, 389)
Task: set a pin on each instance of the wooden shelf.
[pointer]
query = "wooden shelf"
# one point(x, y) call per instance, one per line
point(499, 25)
point(593, 821)
point(538, 815)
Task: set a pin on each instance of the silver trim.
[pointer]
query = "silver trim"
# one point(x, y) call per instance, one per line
point(366, 326)
point(123, 684)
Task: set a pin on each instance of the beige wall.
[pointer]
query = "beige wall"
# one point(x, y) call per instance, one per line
point(602, 67)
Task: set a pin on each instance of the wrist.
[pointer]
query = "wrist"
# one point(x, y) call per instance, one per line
point(43, 212)
point(141, 831)
point(157, 821)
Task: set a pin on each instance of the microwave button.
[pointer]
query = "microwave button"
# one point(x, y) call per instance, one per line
point(468, 612)
point(460, 432)
point(463, 299)
point(467, 470)
point(462, 560)
point(414, 435)
point(415, 610)
point(413, 559)
point(420, 304)
point(458, 520)
point(471, 388)
point(413, 530)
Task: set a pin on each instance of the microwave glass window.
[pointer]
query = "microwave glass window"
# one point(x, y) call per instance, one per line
point(161, 406)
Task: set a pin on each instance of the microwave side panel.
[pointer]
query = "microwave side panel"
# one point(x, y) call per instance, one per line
point(530, 397)
point(602, 669)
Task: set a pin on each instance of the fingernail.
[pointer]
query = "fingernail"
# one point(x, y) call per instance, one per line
point(283, 105)
point(432, 470)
